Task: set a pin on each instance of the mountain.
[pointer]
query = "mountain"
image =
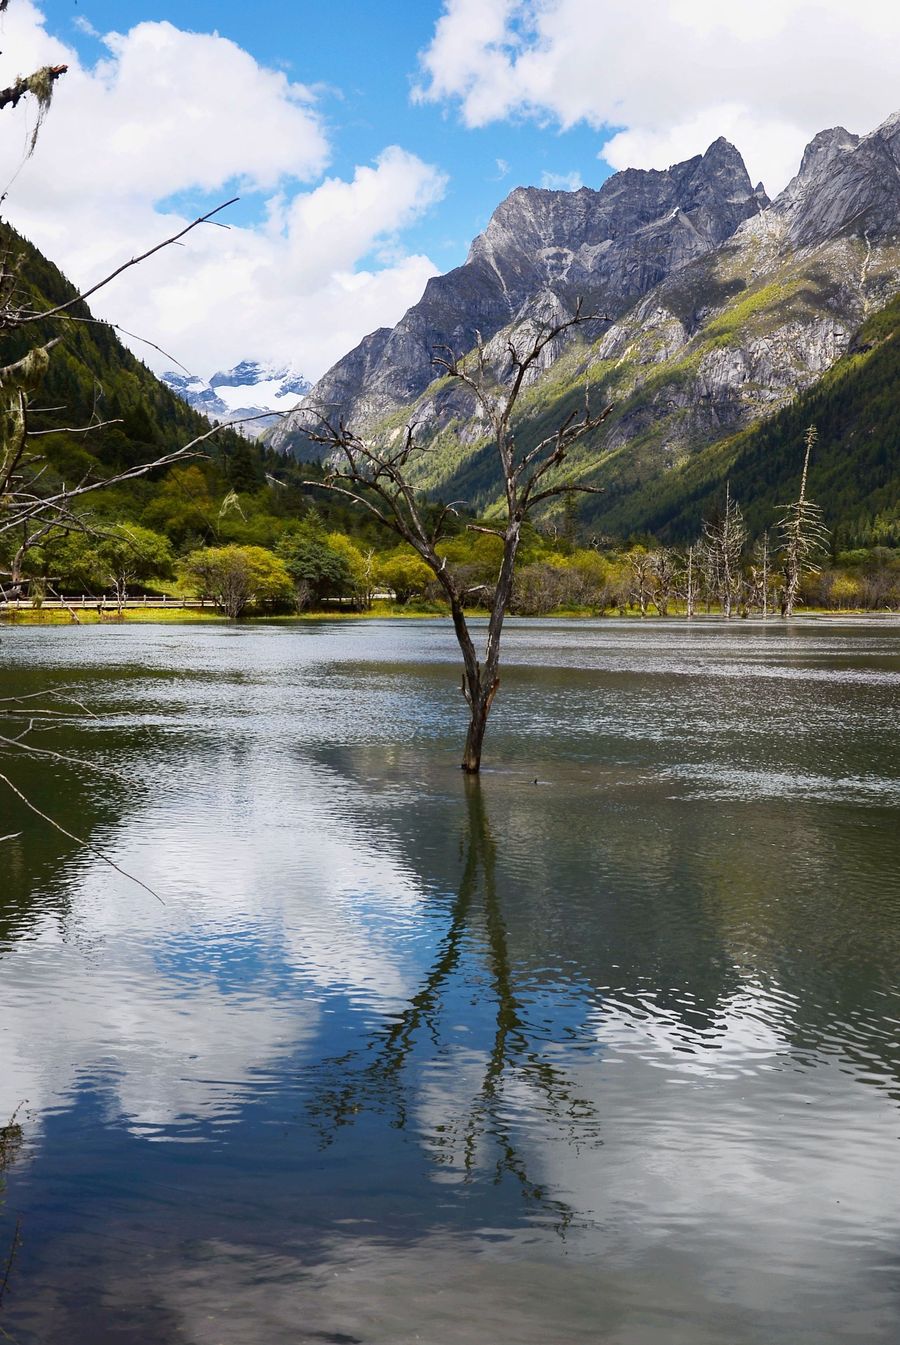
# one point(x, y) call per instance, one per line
point(546, 248)
point(855, 407)
point(92, 377)
point(249, 389)
point(724, 306)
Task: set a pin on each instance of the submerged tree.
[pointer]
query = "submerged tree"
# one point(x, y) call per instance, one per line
point(664, 567)
point(640, 581)
point(761, 574)
point(690, 581)
point(804, 536)
point(378, 477)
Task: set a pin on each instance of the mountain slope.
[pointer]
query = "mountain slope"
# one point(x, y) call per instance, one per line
point(720, 343)
point(92, 376)
point(855, 407)
point(544, 248)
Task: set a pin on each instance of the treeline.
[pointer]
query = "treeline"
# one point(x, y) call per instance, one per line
point(243, 526)
point(249, 533)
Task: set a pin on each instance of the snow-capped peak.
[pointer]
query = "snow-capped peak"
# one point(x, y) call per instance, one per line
point(251, 387)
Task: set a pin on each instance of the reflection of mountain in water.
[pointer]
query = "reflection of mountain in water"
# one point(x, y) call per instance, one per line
point(462, 993)
point(681, 918)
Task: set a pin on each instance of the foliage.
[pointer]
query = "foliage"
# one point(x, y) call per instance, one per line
point(243, 495)
point(319, 569)
point(236, 576)
point(118, 558)
point(404, 573)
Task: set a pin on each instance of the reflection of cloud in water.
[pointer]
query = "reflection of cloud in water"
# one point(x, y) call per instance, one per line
point(741, 1039)
point(176, 1010)
point(480, 1291)
point(169, 1056)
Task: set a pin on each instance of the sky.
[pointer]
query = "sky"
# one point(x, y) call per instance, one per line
point(369, 143)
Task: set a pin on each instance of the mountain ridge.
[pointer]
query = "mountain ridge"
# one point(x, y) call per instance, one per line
point(251, 388)
point(726, 338)
point(608, 246)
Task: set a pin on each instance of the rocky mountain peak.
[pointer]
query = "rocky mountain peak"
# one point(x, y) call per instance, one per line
point(823, 149)
point(608, 246)
point(251, 388)
point(846, 184)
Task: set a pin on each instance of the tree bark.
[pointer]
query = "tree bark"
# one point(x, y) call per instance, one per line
point(480, 681)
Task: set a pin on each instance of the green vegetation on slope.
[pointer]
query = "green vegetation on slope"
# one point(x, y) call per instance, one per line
point(199, 526)
point(854, 474)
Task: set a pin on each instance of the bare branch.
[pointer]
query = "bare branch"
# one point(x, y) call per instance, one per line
point(115, 326)
point(75, 429)
point(565, 490)
point(85, 845)
point(491, 532)
point(135, 261)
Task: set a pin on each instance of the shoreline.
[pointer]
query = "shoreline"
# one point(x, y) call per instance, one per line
point(185, 616)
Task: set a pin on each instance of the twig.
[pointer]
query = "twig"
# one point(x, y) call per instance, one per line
point(135, 261)
point(78, 840)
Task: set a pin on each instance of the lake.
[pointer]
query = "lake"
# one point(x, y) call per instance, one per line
point(602, 1048)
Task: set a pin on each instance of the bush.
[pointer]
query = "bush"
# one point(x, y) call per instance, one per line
point(236, 576)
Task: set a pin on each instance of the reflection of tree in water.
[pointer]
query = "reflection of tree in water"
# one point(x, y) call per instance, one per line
point(376, 1077)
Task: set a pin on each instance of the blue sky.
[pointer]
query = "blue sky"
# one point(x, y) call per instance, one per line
point(363, 58)
point(370, 142)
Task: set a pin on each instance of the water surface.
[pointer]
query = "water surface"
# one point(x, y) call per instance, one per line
point(603, 1048)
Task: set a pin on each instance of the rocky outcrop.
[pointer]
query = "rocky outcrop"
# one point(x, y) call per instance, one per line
point(609, 247)
point(845, 183)
point(724, 306)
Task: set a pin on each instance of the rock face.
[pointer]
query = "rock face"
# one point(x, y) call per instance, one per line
point(845, 181)
point(723, 307)
point(609, 246)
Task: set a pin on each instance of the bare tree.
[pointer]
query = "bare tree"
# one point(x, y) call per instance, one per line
point(641, 584)
point(378, 1078)
point(377, 477)
point(725, 539)
point(690, 581)
point(761, 574)
point(664, 568)
point(804, 536)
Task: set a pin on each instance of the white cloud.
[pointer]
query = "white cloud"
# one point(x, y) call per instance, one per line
point(562, 181)
point(669, 76)
point(167, 116)
point(172, 1048)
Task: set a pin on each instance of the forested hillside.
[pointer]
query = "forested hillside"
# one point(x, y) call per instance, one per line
point(855, 471)
point(93, 377)
point(175, 529)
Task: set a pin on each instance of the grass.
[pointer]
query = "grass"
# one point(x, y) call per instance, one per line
point(378, 611)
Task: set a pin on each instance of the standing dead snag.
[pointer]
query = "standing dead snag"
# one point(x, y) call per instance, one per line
point(804, 536)
point(375, 477)
point(724, 541)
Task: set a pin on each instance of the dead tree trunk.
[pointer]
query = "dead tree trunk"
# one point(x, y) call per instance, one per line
point(375, 476)
point(804, 536)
